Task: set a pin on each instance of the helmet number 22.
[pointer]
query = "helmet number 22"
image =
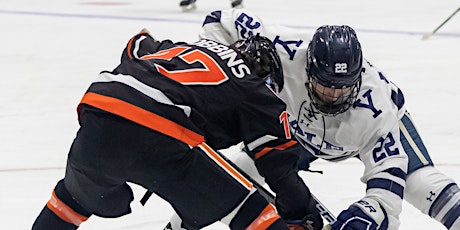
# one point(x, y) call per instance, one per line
point(385, 148)
point(341, 67)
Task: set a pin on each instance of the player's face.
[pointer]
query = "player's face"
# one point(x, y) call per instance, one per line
point(331, 95)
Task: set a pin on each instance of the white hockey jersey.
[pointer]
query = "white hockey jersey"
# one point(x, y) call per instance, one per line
point(369, 130)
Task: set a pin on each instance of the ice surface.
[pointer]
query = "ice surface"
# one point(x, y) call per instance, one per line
point(51, 50)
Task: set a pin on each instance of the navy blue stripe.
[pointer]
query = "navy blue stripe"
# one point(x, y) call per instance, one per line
point(443, 199)
point(451, 215)
point(397, 98)
point(397, 172)
point(214, 17)
point(414, 160)
point(386, 184)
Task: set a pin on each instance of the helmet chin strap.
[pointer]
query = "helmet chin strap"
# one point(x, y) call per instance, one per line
point(324, 133)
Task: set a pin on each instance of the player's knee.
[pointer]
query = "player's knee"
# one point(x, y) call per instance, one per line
point(115, 203)
point(61, 211)
point(61, 193)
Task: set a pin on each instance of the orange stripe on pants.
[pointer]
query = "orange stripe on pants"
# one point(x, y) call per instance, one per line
point(224, 164)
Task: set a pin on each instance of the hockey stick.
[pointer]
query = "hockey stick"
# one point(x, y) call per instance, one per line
point(428, 35)
point(268, 195)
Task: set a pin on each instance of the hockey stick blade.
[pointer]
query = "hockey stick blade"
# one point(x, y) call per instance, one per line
point(428, 35)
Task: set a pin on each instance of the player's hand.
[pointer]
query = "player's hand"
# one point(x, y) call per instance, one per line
point(364, 214)
point(310, 222)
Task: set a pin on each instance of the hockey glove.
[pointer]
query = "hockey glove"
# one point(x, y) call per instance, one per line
point(364, 214)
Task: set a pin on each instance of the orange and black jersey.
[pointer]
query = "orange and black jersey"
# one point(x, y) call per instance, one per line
point(196, 92)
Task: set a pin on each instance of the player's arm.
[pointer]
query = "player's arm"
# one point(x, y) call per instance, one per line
point(277, 161)
point(228, 26)
point(266, 135)
point(143, 44)
point(385, 175)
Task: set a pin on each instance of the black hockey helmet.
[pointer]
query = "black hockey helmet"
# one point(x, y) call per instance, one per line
point(334, 60)
point(261, 56)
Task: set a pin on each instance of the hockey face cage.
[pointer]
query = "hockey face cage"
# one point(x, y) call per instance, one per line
point(331, 101)
point(260, 54)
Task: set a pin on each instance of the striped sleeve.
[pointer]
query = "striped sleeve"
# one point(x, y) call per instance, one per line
point(385, 176)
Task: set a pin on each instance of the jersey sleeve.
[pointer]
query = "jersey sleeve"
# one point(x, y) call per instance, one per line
point(228, 26)
point(262, 119)
point(385, 174)
point(142, 44)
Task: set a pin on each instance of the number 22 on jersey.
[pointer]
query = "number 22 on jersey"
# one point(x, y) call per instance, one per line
point(385, 148)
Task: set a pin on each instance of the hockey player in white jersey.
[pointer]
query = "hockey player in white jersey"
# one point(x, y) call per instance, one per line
point(341, 107)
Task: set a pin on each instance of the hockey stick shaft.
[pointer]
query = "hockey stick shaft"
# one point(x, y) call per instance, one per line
point(426, 36)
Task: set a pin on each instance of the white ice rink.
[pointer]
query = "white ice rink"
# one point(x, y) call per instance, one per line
point(51, 50)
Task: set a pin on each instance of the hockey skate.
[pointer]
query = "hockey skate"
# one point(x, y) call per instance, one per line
point(187, 5)
point(237, 4)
